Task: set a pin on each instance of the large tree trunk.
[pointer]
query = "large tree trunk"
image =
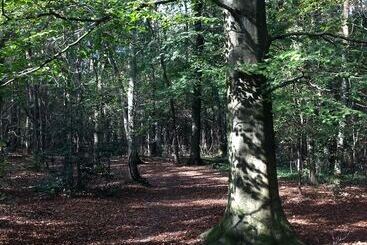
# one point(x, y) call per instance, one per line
point(254, 214)
point(196, 96)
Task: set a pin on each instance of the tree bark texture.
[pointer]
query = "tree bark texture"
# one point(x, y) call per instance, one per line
point(254, 214)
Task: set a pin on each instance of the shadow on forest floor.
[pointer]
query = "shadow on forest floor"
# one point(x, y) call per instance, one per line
point(183, 202)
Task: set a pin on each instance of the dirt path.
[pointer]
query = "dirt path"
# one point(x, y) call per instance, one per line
point(183, 203)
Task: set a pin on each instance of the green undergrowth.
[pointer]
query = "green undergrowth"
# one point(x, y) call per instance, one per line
point(324, 178)
point(50, 186)
point(218, 163)
point(345, 179)
point(285, 174)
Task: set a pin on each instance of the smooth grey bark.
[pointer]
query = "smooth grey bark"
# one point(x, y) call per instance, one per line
point(299, 162)
point(221, 123)
point(355, 137)
point(340, 142)
point(26, 135)
point(196, 96)
point(130, 128)
point(223, 133)
point(254, 214)
point(68, 164)
point(312, 176)
point(28, 122)
point(97, 66)
point(36, 125)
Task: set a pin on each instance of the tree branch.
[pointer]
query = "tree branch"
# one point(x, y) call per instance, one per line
point(315, 86)
point(304, 79)
point(47, 61)
point(317, 35)
point(234, 12)
point(57, 15)
point(68, 18)
point(97, 22)
point(3, 10)
point(288, 82)
point(154, 3)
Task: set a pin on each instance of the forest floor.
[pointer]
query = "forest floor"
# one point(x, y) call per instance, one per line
point(183, 202)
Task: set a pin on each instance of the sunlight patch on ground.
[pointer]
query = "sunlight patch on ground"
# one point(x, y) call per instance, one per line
point(164, 237)
point(354, 243)
point(24, 221)
point(184, 203)
point(300, 221)
point(360, 224)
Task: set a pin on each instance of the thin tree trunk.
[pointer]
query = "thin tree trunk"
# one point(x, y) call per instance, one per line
point(28, 123)
point(343, 93)
point(312, 177)
point(97, 114)
point(26, 135)
point(36, 122)
point(176, 149)
point(133, 156)
point(68, 163)
point(222, 125)
point(354, 148)
point(299, 163)
point(196, 96)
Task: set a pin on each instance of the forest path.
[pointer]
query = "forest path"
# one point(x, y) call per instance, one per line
point(183, 202)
